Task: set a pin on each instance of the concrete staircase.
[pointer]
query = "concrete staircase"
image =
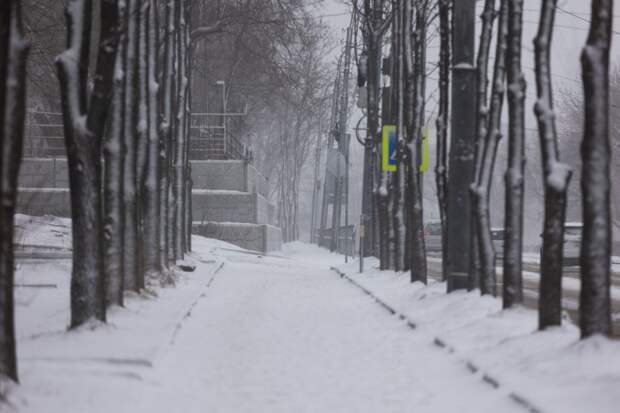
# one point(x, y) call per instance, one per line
point(230, 204)
point(228, 200)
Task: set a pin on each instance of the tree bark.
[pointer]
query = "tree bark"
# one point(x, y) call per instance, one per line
point(142, 134)
point(441, 166)
point(84, 121)
point(132, 269)
point(416, 72)
point(166, 131)
point(152, 195)
point(179, 182)
point(113, 154)
point(375, 28)
point(13, 54)
point(513, 242)
point(488, 154)
point(482, 109)
point(595, 302)
point(556, 177)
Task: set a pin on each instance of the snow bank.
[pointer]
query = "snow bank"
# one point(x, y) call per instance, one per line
point(553, 370)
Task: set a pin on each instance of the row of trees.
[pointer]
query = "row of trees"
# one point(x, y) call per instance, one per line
point(398, 219)
point(126, 126)
point(122, 70)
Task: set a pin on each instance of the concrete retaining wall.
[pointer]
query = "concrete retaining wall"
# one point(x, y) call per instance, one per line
point(255, 237)
point(228, 175)
point(44, 201)
point(229, 206)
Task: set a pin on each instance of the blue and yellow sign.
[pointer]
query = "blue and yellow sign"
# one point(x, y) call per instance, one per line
point(388, 148)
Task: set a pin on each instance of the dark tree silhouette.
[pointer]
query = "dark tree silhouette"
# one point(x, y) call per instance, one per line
point(513, 241)
point(13, 54)
point(595, 302)
point(84, 119)
point(556, 177)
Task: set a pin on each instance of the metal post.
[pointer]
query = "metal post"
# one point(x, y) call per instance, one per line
point(362, 238)
point(346, 191)
point(462, 144)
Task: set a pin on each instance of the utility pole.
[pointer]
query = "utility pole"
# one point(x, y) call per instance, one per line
point(343, 144)
point(462, 144)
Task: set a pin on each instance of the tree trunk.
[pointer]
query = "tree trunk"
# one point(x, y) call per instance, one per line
point(416, 71)
point(376, 27)
point(482, 109)
point(172, 214)
point(166, 131)
point(132, 268)
point(179, 182)
point(142, 134)
point(113, 154)
point(13, 55)
point(84, 125)
point(152, 195)
point(595, 302)
point(513, 242)
point(556, 177)
point(488, 154)
point(397, 111)
point(441, 166)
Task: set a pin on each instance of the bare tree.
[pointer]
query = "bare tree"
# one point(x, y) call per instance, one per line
point(166, 97)
point(152, 194)
point(513, 241)
point(113, 154)
point(415, 64)
point(13, 54)
point(131, 281)
point(441, 165)
point(84, 118)
point(556, 177)
point(595, 302)
point(488, 154)
point(482, 109)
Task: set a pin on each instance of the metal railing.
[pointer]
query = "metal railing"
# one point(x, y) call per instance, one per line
point(346, 244)
point(44, 135)
point(44, 138)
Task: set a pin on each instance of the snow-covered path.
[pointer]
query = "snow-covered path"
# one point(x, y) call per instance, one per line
point(287, 335)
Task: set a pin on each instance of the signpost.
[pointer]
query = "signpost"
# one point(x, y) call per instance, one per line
point(425, 158)
point(388, 148)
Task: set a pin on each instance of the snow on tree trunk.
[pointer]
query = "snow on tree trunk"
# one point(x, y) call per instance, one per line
point(376, 28)
point(441, 168)
point(482, 109)
point(595, 302)
point(13, 55)
point(556, 177)
point(416, 74)
point(513, 241)
point(132, 268)
point(482, 189)
point(152, 198)
point(166, 130)
point(172, 215)
point(181, 79)
point(142, 134)
point(187, 169)
point(397, 224)
point(84, 121)
point(113, 154)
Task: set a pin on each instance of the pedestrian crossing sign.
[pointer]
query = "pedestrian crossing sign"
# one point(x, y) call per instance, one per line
point(388, 148)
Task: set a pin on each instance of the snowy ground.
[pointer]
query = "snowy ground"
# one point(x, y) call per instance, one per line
point(250, 333)
point(553, 370)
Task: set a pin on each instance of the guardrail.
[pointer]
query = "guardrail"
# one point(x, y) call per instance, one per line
point(44, 138)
